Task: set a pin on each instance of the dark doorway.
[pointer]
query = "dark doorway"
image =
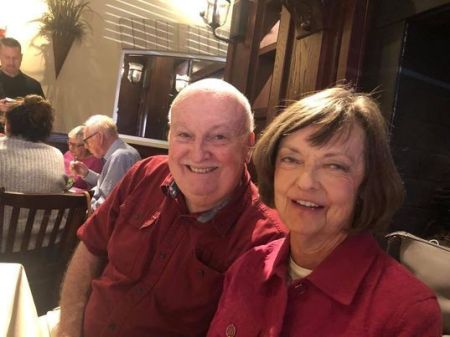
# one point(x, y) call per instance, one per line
point(421, 124)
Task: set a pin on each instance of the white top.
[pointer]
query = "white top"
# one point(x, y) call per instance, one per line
point(296, 272)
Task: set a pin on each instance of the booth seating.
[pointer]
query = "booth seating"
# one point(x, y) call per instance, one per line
point(428, 261)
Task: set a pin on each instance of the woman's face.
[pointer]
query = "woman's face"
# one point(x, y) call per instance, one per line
point(76, 146)
point(316, 187)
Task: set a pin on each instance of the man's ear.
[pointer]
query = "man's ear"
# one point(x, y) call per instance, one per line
point(251, 139)
point(251, 144)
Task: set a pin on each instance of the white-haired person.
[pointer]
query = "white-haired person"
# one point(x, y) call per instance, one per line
point(78, 151)
point(151, 259)
point(102, 140)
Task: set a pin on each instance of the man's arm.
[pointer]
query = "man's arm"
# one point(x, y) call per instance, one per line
point(83, 267)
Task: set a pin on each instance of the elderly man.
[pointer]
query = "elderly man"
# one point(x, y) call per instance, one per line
point(152, 258)
point(102, 140)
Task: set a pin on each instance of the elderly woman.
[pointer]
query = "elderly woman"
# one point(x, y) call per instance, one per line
point(325, 164)
point(26, 163)
point(78, 151)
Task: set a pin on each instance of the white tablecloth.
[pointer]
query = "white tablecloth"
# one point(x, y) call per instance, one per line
point(18, 315)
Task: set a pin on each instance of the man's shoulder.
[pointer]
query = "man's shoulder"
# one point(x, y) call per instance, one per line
point(151, 167)
point(30, 80)
point(122, 149)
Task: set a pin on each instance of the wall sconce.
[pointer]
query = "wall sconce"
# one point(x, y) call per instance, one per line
point(134, 72)
point(181, 82)
point(216, 15)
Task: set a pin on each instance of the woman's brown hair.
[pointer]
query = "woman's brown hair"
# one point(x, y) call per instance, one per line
point(335, 111)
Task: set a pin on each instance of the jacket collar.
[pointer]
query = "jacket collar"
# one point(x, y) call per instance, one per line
point(348, 263)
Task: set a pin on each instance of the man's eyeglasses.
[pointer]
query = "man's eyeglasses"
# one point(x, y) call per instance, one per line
point(75, 144)
point(87, 138)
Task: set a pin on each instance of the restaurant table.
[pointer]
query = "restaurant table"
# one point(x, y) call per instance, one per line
point(18, 315)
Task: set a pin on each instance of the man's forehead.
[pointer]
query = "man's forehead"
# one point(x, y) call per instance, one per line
point(9, 50)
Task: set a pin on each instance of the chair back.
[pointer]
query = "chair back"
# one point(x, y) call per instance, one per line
point(429, 262)
point(39, 231)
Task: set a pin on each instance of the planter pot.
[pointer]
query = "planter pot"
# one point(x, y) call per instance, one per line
point(61, 47)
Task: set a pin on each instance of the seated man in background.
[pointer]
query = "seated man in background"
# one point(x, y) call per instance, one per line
point(102, 140)
point(77, 151)
point(152, 257)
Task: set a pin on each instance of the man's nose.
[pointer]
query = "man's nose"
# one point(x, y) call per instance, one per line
point(199, 150)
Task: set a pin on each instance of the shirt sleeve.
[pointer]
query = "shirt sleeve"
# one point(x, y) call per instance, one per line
point(117, 166)
point(96, 231)
point(91, 178)
point(420, 319)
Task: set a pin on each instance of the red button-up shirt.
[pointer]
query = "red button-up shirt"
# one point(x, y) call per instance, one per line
point(165, 266)
point(357, 291)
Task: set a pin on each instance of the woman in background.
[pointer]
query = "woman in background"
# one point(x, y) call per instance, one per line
point(325, 165)
point(77, 151)
point(27, 164)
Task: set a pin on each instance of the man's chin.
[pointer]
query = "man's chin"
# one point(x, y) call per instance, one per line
point(10, 73)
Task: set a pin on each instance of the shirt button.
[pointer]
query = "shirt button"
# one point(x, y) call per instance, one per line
point(301, 288)
point(162, 256)
point(230, 330)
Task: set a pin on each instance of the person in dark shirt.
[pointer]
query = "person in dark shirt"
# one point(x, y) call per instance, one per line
point(13, 82)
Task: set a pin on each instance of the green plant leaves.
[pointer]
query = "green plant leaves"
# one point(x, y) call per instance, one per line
point(65, 17)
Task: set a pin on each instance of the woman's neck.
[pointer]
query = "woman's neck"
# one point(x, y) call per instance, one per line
point(309, 252)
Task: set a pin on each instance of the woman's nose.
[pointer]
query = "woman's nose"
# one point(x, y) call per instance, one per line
point(307, 178)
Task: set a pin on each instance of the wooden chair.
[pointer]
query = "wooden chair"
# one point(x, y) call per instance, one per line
point(39, 231)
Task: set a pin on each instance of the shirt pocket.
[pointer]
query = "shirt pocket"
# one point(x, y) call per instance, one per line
point(129, 248)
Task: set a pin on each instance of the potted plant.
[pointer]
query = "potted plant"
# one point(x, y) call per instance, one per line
point(63, 23)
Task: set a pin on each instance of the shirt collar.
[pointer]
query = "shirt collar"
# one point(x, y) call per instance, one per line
point(223, 216)
point(348, 263)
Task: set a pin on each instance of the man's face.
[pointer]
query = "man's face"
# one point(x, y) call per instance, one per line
point(208, 148)
point(11, 58)
point(93, 141)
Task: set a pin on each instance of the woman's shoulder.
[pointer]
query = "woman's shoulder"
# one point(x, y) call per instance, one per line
point(401, 283)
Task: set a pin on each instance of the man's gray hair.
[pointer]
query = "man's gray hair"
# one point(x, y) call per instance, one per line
point(11, 43)
point(220, 88)
point(102, 123)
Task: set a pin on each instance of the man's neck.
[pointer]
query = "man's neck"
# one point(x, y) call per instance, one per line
point(9, 74)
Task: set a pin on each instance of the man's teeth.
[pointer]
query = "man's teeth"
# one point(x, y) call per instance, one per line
point(201, 169)
point(307, 203)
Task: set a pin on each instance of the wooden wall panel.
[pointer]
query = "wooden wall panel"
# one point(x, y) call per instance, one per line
point(304, 66)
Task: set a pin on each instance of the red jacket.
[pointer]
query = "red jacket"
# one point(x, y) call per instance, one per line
point(357, 291)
